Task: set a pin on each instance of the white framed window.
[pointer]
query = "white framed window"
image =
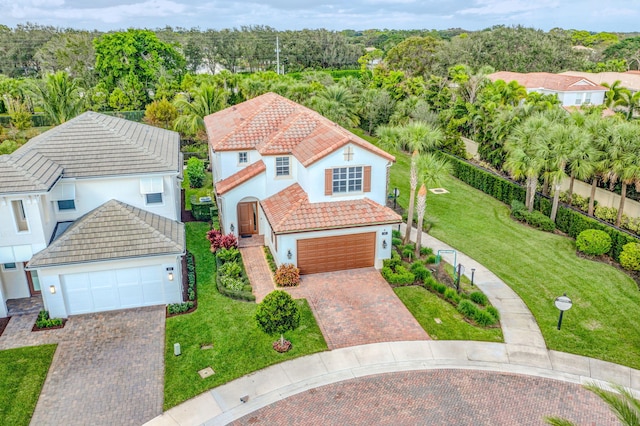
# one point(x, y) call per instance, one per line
point(347, 179)
point(154, 198)
point(348, 153)
point(66, 205)
point(283, 166)
point(11, 266)
point(243, 157)
point(587, 98)
point(20, 216)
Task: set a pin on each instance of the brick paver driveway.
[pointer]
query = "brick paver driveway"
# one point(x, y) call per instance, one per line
point(357, 307)
point(437, 397)
point(108, 368)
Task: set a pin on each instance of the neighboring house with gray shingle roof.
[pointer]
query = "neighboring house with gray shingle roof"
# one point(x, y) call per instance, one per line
point(314, 190)
point(62, 230)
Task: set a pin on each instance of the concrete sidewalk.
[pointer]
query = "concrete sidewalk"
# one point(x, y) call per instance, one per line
point(222, 405)
point(519, 326)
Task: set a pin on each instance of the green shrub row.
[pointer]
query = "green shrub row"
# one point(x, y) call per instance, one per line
point(231, 278)
point(568, 220)
point(202, 211)
point(191, 277)
point(398, 275)
point(534, 218)
point(179, 308)
point(270, 260)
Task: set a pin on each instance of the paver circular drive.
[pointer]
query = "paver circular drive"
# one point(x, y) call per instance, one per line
point(437, 397)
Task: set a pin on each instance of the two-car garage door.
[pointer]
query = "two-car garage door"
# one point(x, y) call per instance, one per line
point(336, 253)
point(115, 289)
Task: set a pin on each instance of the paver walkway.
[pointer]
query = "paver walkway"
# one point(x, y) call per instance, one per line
point(357, 307)
point(258, 271)
point(519, 326)
point(108, 368)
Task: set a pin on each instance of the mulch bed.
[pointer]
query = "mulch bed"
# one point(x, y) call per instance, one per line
point(3, 324)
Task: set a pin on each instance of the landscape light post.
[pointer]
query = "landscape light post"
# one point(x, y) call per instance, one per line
point(473, 271)
point(396, 193)
point(563, 303)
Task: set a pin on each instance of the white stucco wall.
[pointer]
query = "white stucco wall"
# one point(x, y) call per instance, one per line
point(14, 282)
point(15, 245)
point(569, 98)
point(288, 242)
point(3, 306)
point(51, 276)
point(226, 163)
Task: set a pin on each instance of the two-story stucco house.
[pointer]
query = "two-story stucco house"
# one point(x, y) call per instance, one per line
point(315, 191)
point(572, 91)
point(89, 217)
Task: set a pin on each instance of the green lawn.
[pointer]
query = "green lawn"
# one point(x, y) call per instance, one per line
point(22, 374)
point(425, 306)
point(205, 191)
point(539, 266)
point(239, 347)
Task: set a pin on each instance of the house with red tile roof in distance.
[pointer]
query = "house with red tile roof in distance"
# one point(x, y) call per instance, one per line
point(572, 91)
point(628, 79)
point(314, 190)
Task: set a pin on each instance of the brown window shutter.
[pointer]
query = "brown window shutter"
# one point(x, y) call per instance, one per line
point(367, 179)
point(328, 182)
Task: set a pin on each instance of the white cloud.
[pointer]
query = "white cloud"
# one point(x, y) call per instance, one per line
point(502, 7)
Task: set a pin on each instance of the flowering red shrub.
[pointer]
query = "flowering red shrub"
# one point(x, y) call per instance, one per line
point(213, 234)
point(229, 241)
point(287, 275)
point(218, 240)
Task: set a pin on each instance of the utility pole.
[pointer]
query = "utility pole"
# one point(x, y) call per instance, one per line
point(277, 55)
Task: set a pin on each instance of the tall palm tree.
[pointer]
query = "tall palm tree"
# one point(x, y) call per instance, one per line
point(600, 133)
point(432, 170)
point(416, 137)
point(621, 402)
point(522, 147)
point(207, 100)
point(623, 154)
point(613, 94)
point(59, 97)
point(630, 103)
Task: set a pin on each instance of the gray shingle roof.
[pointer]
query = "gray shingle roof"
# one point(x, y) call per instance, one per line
point(27, 172)
point(114, 230)
point(96, 145)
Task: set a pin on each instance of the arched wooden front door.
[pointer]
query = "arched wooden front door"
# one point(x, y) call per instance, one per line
point(248, 218)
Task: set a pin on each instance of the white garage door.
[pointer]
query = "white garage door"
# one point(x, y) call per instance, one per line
point(116, 289)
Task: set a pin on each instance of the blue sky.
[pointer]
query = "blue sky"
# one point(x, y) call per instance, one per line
point(104, 15)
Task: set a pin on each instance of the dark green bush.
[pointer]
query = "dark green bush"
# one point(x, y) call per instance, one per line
point(420, 271)
point(593, 242)
point(201, 211)
point(231, 269)
point(540, 221)
point(479, 298)
point(431, 260)
point(195, 172)
point(518, 210)
point(179, 308)
point(270, 260)
point(467, 308)
point(408, 253)
point(228, 255)
point(43, 320)
point(484, 318)
point(439, 287)
point(426, 251)
point(396, 234)
point(394, 262)
point(451, 294)
point(630, 257)
point(429, 283)
point(396, 242)
point(494, 312)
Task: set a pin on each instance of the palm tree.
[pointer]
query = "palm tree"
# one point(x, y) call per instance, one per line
point(630, 102)
point(338, 104)
point(600, 133)
point(59, 97)
point(416, 137)
point(621, 402)
point(623, 154)
point(522, 147)
point(432, 170)
point(613, 94)
point(207, 100)
point(564, 145)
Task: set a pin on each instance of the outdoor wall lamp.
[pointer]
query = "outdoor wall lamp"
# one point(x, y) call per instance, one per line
point(289, 254)
point(232, 228)
point(170, 273)
point(384, 244)
point(52, 289)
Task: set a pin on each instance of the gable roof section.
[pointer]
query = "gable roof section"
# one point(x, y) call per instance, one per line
point(96, 145)
point(549, 81)
point(627, 79)
point(274, 125)
point(29, 172)
point(290, 211)
point(114, 230)
point(240, 177)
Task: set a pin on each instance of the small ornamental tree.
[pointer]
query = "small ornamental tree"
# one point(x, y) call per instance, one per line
point(630, 256)
point(277, 314)
point(195, 172)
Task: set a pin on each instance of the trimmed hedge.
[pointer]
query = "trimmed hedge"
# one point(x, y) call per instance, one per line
point(568, 220)
point(201, 211)
point(593, 242)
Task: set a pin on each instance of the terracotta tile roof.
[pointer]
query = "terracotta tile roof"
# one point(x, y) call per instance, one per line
point(549, 81)
point(27, 172)
point(95, 144)
point(290, 211)
point(274, 125)
point(114, 230)
point(627, 79)
point(240, 177)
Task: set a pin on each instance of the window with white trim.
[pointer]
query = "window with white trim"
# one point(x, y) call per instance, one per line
point(282, 166)
point(348, 153)
point(66, 204)
point(154, 198)
point(9, 266)
point(152, 188)
point(347, 179)
point(20, 216)
point(243, 157)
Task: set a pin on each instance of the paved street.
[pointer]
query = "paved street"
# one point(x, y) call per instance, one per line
point(108, 368)
point(437, 397)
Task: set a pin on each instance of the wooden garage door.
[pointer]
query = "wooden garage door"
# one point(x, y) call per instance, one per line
point(336, 253)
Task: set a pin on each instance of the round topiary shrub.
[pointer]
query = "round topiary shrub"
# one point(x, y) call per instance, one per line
point(593, 242)
point(630, 256)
